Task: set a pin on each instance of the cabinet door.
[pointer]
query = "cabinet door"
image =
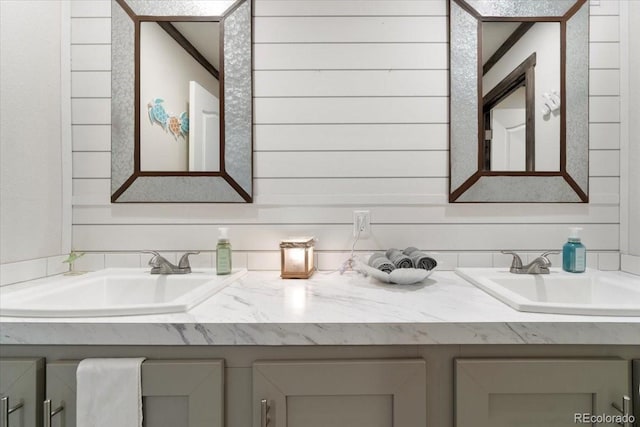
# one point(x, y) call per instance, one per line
point(536, 392)
point(22, 381)
point(352, 393)
point(185, 393)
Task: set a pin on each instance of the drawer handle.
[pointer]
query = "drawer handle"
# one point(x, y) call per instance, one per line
point(6, 410)
point(264, 413)
point(625, 411)
point(48, 413)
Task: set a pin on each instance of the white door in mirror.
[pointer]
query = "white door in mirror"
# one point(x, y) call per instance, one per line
point(204, 129)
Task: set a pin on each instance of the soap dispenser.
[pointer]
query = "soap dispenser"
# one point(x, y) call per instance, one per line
point(574, 253)
point(223, 252)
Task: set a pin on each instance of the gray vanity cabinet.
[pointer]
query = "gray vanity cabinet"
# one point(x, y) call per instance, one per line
point(340, 393)
point(187, 393)
point(537, 392)
point(22, 385)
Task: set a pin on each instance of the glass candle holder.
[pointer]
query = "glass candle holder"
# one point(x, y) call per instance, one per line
point(296, 258)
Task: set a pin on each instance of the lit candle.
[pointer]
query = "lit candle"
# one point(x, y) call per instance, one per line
point(296, 258)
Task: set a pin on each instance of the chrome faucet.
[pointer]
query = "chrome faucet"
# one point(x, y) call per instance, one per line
point(160, 265)
point(540, 265)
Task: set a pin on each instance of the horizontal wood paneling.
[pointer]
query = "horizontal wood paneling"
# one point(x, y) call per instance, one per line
point(91, 138)
point(604, 55)
point(91, 164)
point(603, 109)
point(456, 237)
point(91, 111)
point(605, 7)
point(604, 82)
point(92, 8)
point(371, 164)
point(322, 83)
point(604, 136)
point(388, 215)
point(90, 57)
point(350, 111)
point(351, 191)
point(90, 30)
point(393, 137)
point(604, 29)
point(341, 29)
point(350, 56)
point(90, 84)
point(604, 163)
point(350, 8)
point(343, 192)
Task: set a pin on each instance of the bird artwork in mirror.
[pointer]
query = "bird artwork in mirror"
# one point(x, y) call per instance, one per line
point(181, 101)
point(519, 101)
point(180, 130)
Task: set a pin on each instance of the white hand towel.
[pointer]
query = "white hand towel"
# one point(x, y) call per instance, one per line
point(109, 393)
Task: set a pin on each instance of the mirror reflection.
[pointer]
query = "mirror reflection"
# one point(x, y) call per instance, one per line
point(520, 88)
point(179, 96)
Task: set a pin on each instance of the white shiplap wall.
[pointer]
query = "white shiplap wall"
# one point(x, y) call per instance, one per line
point(350, 111)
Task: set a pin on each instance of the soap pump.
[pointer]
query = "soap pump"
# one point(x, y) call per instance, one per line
point(223, 252)
point(574, 253)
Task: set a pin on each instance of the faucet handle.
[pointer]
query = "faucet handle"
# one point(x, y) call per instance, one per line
point(517, 261)
point(153, 262)
point(545, 258)
point(184, 260)
point(544, 254)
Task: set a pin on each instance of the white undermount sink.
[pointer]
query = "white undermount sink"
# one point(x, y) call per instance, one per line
point(115, 292)
point(592, 293)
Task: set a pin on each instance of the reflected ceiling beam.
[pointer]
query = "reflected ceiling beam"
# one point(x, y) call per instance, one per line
point(508, 43)
point(187, 46)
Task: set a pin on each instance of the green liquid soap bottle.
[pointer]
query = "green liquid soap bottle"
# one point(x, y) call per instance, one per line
point(223, 252)
point(574, 253)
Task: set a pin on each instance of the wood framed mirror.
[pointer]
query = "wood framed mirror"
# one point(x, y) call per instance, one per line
point(181, 101)
point(519, 104)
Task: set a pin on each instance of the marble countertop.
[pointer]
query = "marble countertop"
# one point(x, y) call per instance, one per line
point(331, 309)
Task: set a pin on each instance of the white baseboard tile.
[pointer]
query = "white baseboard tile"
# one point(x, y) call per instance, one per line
point(609, 261)
point(90, 262)
point(127, 260)
point(501, 260)
point(475, 259)
point(32, 269)
point(446, 260)
point(56, 266)
point(202, 260)
point(325, 261)
point(332, 261)
point(630, 263)
point(263, 260)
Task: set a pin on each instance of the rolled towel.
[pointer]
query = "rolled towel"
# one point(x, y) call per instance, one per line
point(380, 262)
point(399, 259)
point(420, 259)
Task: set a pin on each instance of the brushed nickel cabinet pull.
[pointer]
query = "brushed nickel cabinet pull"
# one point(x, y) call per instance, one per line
point(48, 413)
point(5, 410)
point(264, 413)
point(625, 411)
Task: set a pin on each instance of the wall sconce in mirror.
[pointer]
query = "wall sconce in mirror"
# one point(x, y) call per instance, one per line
point(513, 138)
point(181, 101)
